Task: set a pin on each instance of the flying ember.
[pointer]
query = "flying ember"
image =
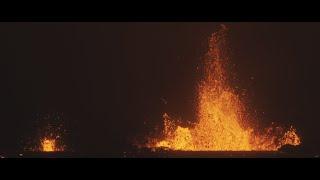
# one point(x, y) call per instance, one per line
point(222, 122)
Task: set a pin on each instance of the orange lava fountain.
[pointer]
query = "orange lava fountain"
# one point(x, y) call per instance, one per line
point(51, 144)
point(222, 121)
point(48, 145)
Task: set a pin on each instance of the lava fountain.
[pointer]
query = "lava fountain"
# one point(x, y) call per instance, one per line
point(223, 123)
point(52, 139)
point(48, 145)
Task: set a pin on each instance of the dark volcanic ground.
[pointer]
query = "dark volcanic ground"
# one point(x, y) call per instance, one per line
point(178, 154)
point(148, 153)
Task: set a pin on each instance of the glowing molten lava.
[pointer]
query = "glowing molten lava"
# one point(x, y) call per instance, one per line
point(222, 121)
point(48, 145)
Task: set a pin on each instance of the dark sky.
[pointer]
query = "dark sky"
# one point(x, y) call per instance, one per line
point(108, 79)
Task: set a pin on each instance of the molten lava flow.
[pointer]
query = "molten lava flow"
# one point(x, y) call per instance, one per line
point(222, 120)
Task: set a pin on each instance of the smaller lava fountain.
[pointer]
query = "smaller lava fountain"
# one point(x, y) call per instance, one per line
point(49, 137)
point(49, 145)
point(223, 122)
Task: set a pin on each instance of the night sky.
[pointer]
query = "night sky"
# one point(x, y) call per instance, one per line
point(109, 80)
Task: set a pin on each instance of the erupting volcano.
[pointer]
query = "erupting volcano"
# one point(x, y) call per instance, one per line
point(223, 123)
